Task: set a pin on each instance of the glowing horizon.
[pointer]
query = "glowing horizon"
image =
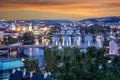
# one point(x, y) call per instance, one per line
point(58, 9)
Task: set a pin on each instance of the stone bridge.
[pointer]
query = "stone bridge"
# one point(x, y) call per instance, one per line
point(43, 46)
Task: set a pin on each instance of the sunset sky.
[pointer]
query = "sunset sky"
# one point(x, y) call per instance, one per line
point(58, 9)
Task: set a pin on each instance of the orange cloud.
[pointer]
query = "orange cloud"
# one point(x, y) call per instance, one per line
point(84, 8)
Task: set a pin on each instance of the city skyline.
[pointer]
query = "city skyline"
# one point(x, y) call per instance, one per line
point(58, 9)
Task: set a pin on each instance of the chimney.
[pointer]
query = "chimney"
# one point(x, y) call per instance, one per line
point(13, 71)
point(24, 72)
point(31, 74)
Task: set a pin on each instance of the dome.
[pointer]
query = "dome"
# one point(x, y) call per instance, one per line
point(12, 25)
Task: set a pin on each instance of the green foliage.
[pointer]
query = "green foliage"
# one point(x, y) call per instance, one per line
point(106, 42)
point(32, 64)
point(80, 66)
point(51, 78)
point(29, 36)
point(10, 41)
point(13, 40)
point(92, 51)
point(94, 28)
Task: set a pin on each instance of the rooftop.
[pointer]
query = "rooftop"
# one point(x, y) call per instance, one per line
point(117, 41)
point(6, 64)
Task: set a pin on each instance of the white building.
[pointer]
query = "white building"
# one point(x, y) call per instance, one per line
point(30, 27)
point(12, 26)
point(1, 34)
point(114, 45)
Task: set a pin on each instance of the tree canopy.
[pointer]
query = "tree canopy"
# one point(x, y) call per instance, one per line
point(28, 36)
point(71, 64)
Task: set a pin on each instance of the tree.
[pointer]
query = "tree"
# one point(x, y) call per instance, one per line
point(92, 51)
point(13, 40)
point(50, 59)
point(81, 66)
point(28, 37)
point(106, 42)
point(32, 64)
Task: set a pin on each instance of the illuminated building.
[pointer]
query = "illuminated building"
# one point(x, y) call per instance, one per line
point(114, 46)
point(12, 26)
point(36, 32)
point(30, 27)
point(21, 28)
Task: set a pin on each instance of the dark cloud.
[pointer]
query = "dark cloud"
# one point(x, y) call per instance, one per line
point(60, 3)
point(39, 2)
point(113, 4)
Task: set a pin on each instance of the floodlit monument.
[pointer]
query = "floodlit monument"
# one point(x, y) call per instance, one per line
point(30, 27)
point(12, 26)
point(113, 47)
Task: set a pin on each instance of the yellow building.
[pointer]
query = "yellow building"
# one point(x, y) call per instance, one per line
point(30, 27)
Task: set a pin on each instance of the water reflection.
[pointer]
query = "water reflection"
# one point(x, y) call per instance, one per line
point(36, 41)
point(36, 53)
point(13, 54)
point(33, 52)
point(30, 52)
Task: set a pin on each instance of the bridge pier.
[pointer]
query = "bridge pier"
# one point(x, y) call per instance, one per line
point(83, 38)
point(51, 39)
point(61, 39)
point(94, 38)
point(17, 51)
point(72, 39)
point(9, 54)
point(40, 39)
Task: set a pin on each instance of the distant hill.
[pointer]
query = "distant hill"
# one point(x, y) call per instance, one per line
point(104, 19)
point(51, 21)
point(113, 19)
